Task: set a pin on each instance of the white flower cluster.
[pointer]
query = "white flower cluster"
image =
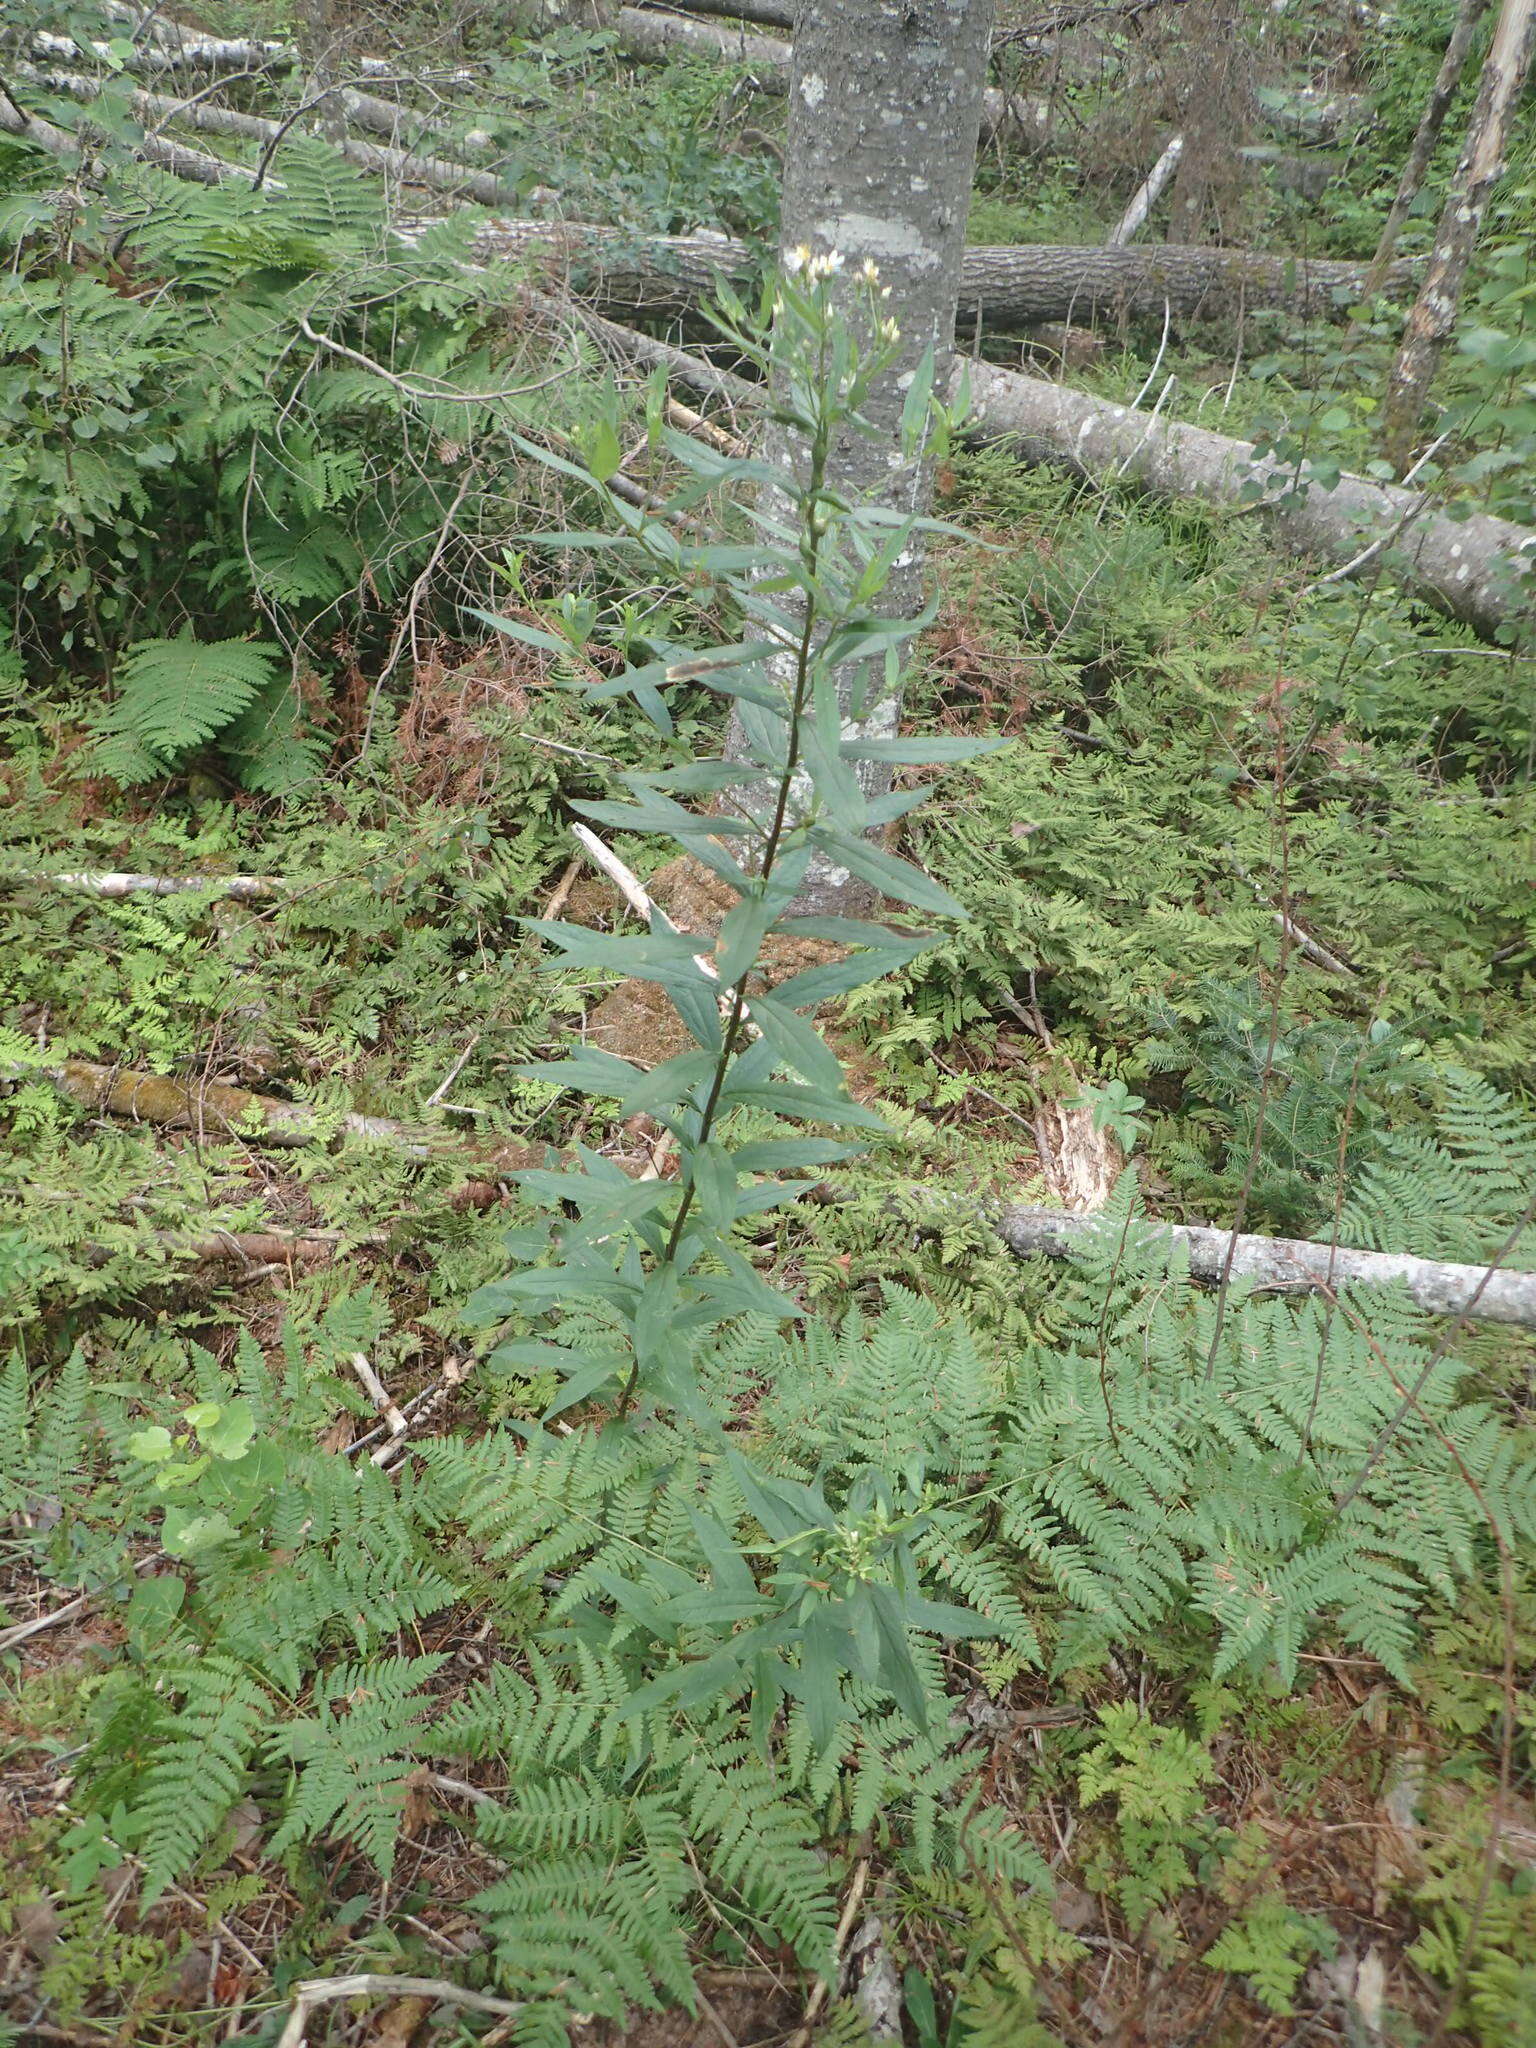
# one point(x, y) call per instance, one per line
point(816, 268)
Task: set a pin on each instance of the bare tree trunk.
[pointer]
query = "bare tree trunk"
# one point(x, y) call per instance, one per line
point(884, 109)
point(1482, 160)
point(1431, 122)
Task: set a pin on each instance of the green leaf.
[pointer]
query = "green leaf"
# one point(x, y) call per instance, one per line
point(893, 877)
point(923, 753)
point(514, 629)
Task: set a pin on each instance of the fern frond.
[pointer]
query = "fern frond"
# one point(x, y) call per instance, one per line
point(197, 1766)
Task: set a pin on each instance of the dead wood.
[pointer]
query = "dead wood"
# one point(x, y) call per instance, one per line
point(1290, 1264)
point(402, 166)
point(215, 1108)
point(1478, 569)
point(651, 36)
point(113, 887)
point(1001, 286)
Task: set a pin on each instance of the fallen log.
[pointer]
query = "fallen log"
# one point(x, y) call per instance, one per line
point(651, 36)
point(1477, 569)
point(215, 1108)
point(194, 49)
point(170, 156)
point(258, 1248)
point(379, 159)
point(1003, 285)
point(1290, 1264)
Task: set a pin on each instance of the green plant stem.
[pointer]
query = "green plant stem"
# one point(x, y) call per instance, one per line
point(732, 1032)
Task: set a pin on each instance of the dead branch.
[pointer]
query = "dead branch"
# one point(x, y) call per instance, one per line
point(316, 1991)
point(1134, 219)
point(1290, 1264)
point(113, 887)
point(215, 1108)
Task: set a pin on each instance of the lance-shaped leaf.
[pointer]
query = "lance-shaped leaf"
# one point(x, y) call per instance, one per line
point(886, 872)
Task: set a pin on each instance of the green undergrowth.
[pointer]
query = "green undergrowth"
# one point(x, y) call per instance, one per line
point(1129, 1648)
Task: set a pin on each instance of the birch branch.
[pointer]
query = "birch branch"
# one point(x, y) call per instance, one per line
point(1134, 218)
point(113, 887)
point(632, 889)
point(383, 1401)
point(382, 160)
point(215, 1108)
point(1291, 1264)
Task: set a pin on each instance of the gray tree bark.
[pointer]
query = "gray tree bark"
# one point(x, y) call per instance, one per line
point(1482, 161)
point(884, 110)
point(1427, 135)
point(1293, 1264)
point(1003, 286)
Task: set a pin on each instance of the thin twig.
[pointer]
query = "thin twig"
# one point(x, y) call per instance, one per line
point(378, 1394)
point(452, 1074)
point(801, 2037)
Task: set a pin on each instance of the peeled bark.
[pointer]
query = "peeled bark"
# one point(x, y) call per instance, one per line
point(1482, 162)
point(1002, 286)
point(1427, 136)
point(1292, 1265)
point(1478, 569)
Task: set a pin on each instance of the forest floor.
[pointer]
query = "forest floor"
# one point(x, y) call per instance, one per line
point(1109, 915)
